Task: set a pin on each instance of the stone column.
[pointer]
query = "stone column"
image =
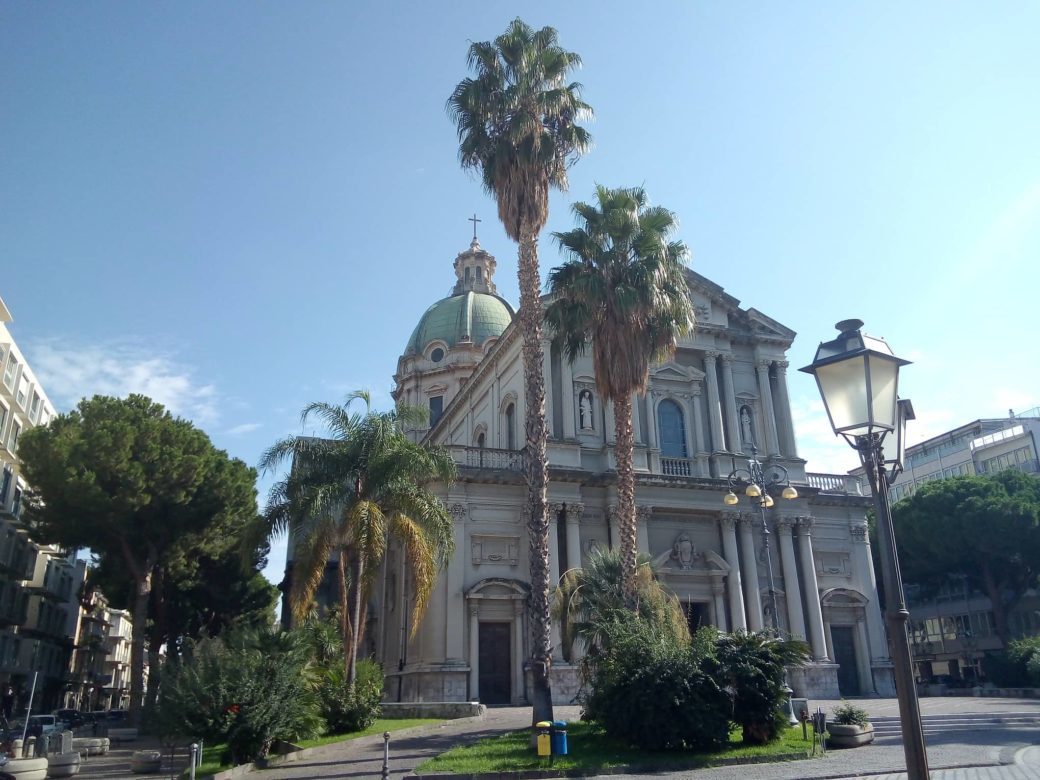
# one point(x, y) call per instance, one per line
point(728, 523)
point(766, 393)
point(518, 650)
point(866, 678)
point(651, 420)
point(609, 431)
point(642, 530)
point(749, 573)
point(456, 607)
point(574, 512)
point(714, 409)
point(698, 414)
point(863, 568)
point(567, 387)
point(615, 527)
point(554, 569)
point(730, 397)
point(720, 605)
point(792, 592)
point(547, 379)
point(789, 444)
point(812, 589)
point(474, 651)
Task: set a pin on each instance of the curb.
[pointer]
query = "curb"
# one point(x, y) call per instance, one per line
point(300, 755)
point(628, 769)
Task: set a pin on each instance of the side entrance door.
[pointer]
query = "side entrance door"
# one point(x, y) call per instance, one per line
point(495, 664)
point(845, 656)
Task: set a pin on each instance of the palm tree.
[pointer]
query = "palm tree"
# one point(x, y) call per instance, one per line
point(352, 494)
point(624, 287)
point(589, 601)
point(517, 124)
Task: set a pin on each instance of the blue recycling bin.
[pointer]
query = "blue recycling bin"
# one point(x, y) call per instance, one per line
point(559, 738)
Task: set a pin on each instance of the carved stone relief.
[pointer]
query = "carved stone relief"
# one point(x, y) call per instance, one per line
point(495, 549)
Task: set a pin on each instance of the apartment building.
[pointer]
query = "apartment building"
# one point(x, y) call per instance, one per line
point(39, 584)
point(951, 631)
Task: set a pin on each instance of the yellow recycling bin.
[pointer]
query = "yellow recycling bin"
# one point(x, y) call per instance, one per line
point(544, 743)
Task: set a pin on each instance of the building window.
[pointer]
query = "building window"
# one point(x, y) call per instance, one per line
point(480, 440)
point(16, 431)
point(34, 407)
point(671, 429)
point(23, 391)
point(12, 368)
point(511, 427)
point(437, 355)
point(5, 487)
point(436, 408)
point(3, 420)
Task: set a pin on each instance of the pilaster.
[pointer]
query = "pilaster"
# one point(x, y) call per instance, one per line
point(749, 572)
point(728, 524)
point(766, 393)
point(790, 569)
point(812, 590)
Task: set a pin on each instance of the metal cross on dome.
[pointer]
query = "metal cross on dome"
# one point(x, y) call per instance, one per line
point(474, 220)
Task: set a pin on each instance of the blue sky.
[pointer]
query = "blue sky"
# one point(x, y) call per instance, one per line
point(242, 207)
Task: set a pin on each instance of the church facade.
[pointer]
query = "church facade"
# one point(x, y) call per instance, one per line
point(722, 392)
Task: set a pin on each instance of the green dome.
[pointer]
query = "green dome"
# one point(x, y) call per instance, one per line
point(469, 316)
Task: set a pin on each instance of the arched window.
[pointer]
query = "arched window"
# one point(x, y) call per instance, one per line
point(480, 440)
point(671, 429)
point(511, 427)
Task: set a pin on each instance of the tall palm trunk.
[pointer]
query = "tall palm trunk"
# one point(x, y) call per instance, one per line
point(345, 605)
point(536, 474)
point(626, 486)
point(359, 571)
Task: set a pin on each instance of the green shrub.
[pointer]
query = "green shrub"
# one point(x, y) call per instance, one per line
point(751, 668)
point(651, 691)
point(848, 714)
point(247, 690)
point(346, 710)
point(1024, 654)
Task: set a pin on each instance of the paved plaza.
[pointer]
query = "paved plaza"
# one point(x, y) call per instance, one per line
point(968, 739)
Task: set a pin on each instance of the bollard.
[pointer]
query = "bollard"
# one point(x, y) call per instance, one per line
point(386, 755)
point(194, 758)
point(198, 761)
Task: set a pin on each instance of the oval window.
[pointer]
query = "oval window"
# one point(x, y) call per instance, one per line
point(437, 355)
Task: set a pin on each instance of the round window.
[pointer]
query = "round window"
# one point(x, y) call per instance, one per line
point(437, 355)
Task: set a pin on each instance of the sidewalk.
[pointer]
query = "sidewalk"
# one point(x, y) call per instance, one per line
point(995, 751)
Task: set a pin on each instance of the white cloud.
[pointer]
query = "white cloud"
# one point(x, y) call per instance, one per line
point(70, 371)
point(244, 428)
point(817, 444)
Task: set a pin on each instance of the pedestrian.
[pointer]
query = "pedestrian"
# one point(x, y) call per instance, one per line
point(7, 702)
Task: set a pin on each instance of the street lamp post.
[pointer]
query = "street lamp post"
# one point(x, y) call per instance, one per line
point(858, 377)
point(756, 484)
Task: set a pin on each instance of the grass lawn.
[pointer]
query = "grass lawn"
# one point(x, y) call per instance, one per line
point(211, 754)
point(591, 749)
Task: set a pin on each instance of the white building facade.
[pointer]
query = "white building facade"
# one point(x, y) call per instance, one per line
point(724, 390)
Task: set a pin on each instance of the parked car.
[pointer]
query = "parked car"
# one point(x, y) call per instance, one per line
point(43, 724)
point(73, 718)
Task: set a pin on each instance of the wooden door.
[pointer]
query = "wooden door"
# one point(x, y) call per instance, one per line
point(845, 656)
point(495, 668)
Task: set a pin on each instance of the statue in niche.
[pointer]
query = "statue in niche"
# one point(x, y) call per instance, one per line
point(683, 551)
point(746, 426)
point(585, 410)
point(768, 616)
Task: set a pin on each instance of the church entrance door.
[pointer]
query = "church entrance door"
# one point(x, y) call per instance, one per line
point(845, 656)
point(495, 667)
